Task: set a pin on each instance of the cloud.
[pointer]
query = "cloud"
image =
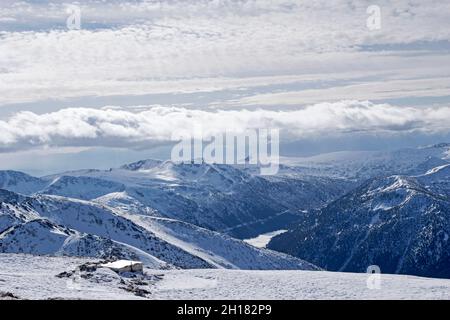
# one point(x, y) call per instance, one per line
point(78, 127)
point(137, 47)
point(387, 89)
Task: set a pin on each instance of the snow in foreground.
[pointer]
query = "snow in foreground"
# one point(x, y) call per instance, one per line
point(32, 277)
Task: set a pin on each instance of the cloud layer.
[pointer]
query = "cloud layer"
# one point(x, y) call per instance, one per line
point(141, 47)
point(151, 126)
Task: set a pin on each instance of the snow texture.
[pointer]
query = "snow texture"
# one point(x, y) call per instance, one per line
point(31, 277)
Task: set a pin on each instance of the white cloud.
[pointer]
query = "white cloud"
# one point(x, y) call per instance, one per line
point(146, 46)
point(78, 127)
point(387, 89)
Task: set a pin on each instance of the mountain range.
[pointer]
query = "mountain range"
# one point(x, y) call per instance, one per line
point(343, 211)
point(399, 222)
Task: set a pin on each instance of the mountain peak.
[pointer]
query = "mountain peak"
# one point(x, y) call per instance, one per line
point(142, 165)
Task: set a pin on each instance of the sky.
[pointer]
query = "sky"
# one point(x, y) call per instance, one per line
point(331, 75)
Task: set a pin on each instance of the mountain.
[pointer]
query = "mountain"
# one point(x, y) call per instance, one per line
point(229, 199)
point(338, 208)
point(142, 165)
point(218, 249)
point(10, 214)
point(363, 165)
point(55, 278)
point(20, 182)
point(85, 188)
point(55, 225)
point(400, 223)
point(437, 180)
point(222, 198)
point(42, 237)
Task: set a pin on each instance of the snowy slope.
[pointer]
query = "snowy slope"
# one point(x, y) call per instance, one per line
point(218, 197)
point(437, 180)
point(42, 237)
point(90, 218)
point(218, 249)
point(395, 222)
point(364, 165)
point(142, 165)
point(20, 182)
point(263, 240)
point(181, 214)
point(10, 212)
point(83, 228)
point(85, 188)
point(31, 277)
point(229, 199)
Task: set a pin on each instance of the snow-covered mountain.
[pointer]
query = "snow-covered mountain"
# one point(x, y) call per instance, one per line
point(345, 211)
point(42, 237)
point(223, 198)
point(45, 224)
point(218, 249)
point(234, 199)
point(437, 180)
point(85, 188)
point(400, 223)
point(20, 182)
point(362, 165)
point(398, 219)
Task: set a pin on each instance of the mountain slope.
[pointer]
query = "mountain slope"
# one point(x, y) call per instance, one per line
point(42, 237)
point(44, 224)
point(91, 218)
point(437, 180)
point(363, 165)
point(218, 197)
point(85, 188)
point(20, 182)
point(394, 222)
point(218, 249)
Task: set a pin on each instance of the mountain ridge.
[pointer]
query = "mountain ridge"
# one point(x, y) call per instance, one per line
point(393, 222)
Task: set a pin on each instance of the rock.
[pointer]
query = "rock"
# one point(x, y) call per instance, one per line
point(8, 296)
